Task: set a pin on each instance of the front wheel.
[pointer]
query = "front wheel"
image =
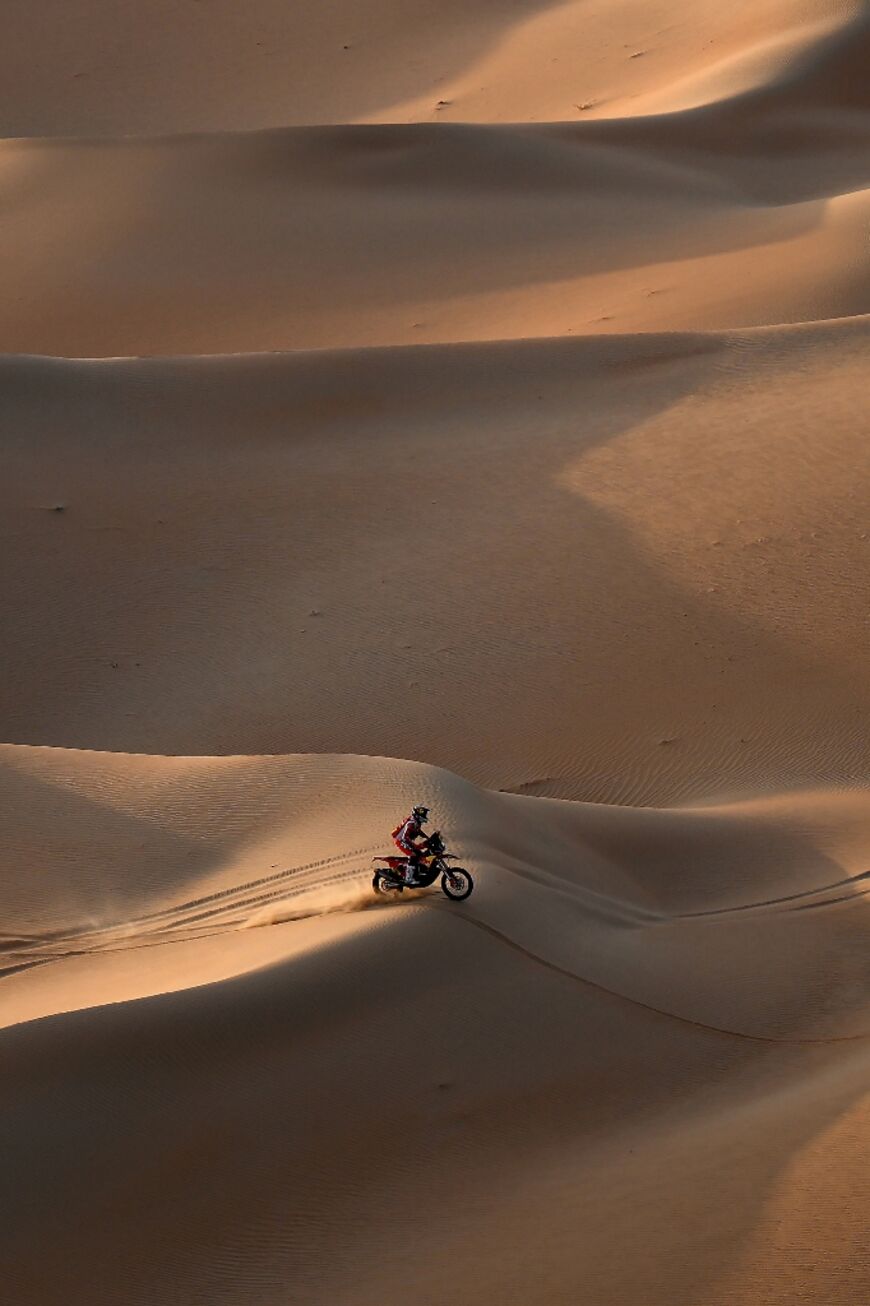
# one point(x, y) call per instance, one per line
point(457, 883)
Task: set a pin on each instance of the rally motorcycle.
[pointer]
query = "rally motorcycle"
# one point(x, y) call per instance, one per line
point(456, 882)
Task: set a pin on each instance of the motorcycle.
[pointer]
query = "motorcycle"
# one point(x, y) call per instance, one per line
point(456, 882)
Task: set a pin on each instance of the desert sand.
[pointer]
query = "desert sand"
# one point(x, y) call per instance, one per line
point(459, 404)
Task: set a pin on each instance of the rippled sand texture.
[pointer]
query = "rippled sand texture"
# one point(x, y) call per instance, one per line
point(452, 403)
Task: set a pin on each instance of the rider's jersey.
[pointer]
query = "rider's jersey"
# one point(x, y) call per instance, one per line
point(404, 836)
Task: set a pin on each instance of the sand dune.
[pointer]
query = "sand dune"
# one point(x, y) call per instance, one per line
point(564, 879)
point(459, 404)
point(582, 1029)
point(740, 213)
point(109, 68)
point(577, 612)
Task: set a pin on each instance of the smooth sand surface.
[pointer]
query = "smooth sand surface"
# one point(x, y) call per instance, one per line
point(460, 404)
point(114, 67)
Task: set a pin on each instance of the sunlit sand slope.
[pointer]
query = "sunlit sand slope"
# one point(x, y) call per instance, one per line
point(629, 569)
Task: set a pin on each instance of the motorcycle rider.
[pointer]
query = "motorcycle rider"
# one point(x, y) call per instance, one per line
point(410, 839)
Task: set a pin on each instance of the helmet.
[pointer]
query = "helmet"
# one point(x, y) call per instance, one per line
point(421, 813)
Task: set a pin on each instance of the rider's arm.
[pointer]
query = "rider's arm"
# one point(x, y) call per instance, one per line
point(417, 841)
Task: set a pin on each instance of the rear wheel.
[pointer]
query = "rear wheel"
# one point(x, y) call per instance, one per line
point(383, 885)
point(457, 883)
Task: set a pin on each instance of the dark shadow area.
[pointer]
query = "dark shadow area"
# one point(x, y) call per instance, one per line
point(241, 245)
point(261, 1115)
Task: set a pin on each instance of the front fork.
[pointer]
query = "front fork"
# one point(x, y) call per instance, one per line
point(444, 869)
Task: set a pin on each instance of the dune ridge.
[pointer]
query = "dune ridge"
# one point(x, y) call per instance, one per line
point(457, 404)
point(354, 235)
point(365, 235)
point(156, 68)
